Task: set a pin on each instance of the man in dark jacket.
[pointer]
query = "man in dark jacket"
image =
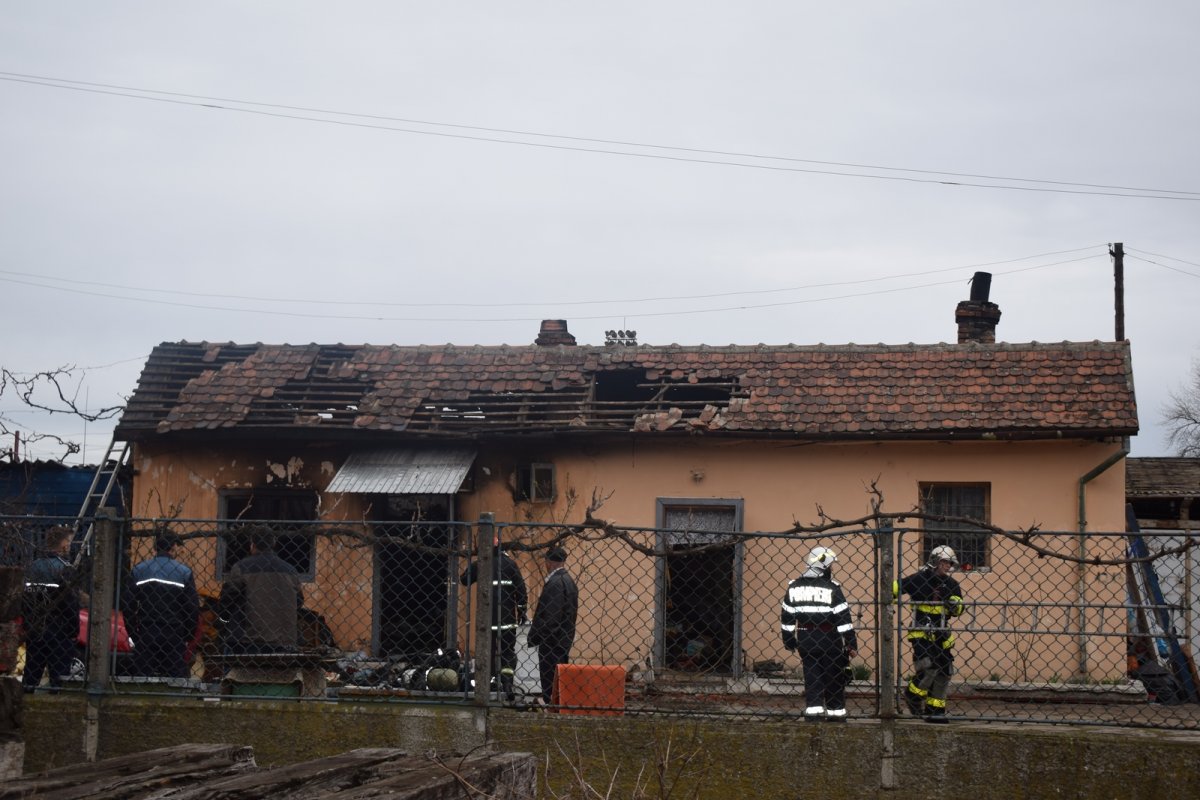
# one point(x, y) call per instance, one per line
point(262, 598)
point(509, 601)
point(816, 621)
point(50, 612)
point(161, 607)
point(553, 628)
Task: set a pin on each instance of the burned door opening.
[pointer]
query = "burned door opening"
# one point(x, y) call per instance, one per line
point(699, 586)
point(414, 558)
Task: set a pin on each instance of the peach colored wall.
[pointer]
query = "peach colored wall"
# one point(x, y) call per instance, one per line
point(184, 483)
point(1032, 483)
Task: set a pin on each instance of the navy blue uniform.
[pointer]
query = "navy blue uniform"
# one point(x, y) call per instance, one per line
point(51, 614)
point(815, 621)
point(161, 607)
point(509, 601)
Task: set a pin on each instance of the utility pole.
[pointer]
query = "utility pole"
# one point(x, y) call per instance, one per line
point(1117, 251)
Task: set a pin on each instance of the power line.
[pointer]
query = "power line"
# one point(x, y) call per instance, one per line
point(176, 98)
point(554, 303)
point(1167, 266)
point(303, 315)
point(1160, 255)
point(565, 137)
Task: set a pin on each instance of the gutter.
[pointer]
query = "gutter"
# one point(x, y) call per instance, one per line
point(1081, 568)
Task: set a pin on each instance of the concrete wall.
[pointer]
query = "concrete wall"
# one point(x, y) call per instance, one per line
point(722, 758)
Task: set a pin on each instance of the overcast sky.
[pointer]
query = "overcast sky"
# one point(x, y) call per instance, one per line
point(424, 173)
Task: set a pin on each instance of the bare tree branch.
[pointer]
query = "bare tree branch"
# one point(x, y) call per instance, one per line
point(28, 389)
point(1181, 416)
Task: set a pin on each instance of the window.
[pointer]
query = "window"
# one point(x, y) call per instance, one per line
point(295, 544)
point(958, 500)
point(535, 483)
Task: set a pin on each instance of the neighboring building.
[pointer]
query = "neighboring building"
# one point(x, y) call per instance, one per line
point(678, 437)
point(48, 490)
point(44, 488)
point(1164, 494)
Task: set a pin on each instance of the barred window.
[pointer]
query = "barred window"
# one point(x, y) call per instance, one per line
point(958, 500)
point(294, 544)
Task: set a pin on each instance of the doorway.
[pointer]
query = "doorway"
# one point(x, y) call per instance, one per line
point(698, 614)
point(414, 561)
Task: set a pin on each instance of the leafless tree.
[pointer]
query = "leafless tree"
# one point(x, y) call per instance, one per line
point(53, 391)
point(1181, 415)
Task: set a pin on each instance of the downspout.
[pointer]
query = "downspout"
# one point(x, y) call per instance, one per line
point(1081, 569)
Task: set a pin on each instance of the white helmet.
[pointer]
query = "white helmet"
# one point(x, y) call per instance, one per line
point(821, 558)
point(943, 552)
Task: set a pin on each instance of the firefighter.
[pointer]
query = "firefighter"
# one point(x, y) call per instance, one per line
point(815, 621)
point(936, 597)
point(509, 601)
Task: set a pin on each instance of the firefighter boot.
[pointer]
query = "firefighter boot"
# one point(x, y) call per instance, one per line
point(914, 698)
point(935, 711)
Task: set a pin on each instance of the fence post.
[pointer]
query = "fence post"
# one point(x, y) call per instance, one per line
point(485, 534)
point(886, 552)
point(885, 549)
point(104, 560)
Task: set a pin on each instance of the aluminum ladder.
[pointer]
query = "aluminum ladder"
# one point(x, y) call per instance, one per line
point(103, 483)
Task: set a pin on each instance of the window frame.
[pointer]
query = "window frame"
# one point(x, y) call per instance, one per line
point(527, 482)
point(229, 526)
point(972, 546)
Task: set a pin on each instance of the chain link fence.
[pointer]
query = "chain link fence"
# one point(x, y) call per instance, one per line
point(688, 618)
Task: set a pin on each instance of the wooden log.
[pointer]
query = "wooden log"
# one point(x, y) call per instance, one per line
point(322, 775)
point(227, 772)
point(138, 775)
point(497, 776)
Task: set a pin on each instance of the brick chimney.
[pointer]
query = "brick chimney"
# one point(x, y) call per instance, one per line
point(554, 332)
point(977, 318)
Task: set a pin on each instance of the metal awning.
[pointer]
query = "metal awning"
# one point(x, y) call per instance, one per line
point(404, 470)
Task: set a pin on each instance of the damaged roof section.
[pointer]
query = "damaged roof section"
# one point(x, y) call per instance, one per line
point(821, 391)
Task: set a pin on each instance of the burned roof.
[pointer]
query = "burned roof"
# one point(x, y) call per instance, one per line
point(1162, 477)
point(828, 392)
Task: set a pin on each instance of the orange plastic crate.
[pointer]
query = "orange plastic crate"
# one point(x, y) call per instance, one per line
point(599, 689)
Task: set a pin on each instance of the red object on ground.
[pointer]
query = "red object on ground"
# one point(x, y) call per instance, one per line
point(121, 643)
point(599, 689)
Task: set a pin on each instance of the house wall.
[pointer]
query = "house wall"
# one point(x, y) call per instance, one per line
point(1032, 484)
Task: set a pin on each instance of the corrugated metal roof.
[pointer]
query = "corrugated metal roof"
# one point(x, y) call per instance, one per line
point(404, 470)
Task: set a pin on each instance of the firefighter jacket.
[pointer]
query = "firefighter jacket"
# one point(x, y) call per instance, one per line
point(161, 603)
point(814, 602)
point(50, 606)
point(509, 596)
point(935, 599)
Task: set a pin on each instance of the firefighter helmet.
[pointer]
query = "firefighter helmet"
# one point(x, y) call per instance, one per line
point(821, 558)
point(943, 552)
